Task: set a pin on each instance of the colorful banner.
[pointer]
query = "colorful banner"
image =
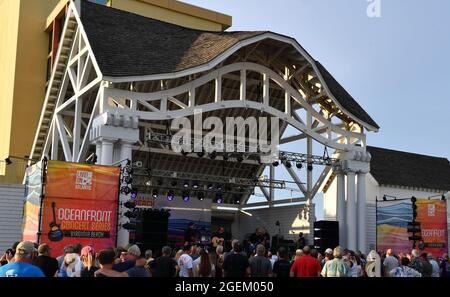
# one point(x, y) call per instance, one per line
point(392, 226)
point(33, 190)
point(80, 205)
point(432, 215)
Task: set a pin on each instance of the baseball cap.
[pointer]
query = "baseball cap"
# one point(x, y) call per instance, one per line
point(25, 247)
point(328, 251)
point(86, 250)
point(134, 250)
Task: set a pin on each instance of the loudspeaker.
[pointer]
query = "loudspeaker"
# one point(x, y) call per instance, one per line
point(152, 230)
point(326, 235)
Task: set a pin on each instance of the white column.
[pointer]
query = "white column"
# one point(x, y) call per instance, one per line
point(123, 235)
point(352, 236)
point(98, 152)
point(361, 203)
point(107, 151)
point(340, 205)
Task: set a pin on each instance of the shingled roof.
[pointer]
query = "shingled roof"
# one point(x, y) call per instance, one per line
point(127, 44)
point(397, 168)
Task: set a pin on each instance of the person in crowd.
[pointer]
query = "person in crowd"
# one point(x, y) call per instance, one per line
point(68, 249)
point(8, 256)
point(427, 267)
point(72, 266)
point(272, 258)
point(306, 265)
point(139, 270)
point(164, 266)
point(390, 262)
point(189, 234)
point(88, 260)
point(445, 266)
point(327, 256)
point(22, 265)
point(373, 264)
point(45, 262)
point(260, 266)
point(356, 268)
point(133, 253)
point(416, 262)
point(336, 267)
point(362, 258)
point(233, 242)
point(149, 257)
point(404, 270)
point(301, 241)
point(176, 258)
point(185, 263)
point(204, 267)
point(195, 252)
point(282, 267)
point(435, 266)
point(120, 255)
point(106, 259)
point(219, 258)
point(298, 254)
point(236, 264)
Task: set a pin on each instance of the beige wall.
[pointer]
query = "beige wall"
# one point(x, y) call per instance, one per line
point(177, 13)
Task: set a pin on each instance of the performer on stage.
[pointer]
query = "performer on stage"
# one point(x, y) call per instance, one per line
point(261, 236)
point(221, 237)
point(189, 234)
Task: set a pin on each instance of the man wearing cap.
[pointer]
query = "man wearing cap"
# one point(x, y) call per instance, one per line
point(45, 262)
point(22, 267)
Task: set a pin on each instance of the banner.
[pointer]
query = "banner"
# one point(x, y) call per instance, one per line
point(80, 205)
point(432, 215)
point(392, 226)
point(33, 190)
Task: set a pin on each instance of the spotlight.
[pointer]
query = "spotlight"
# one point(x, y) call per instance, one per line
point(195, 185)
point(218, 198)
point(170, 195)
point(210, 186)
point(8, 161)
point(212, 155)
point(310, 167)
point(155, 193)
point(219, 187)
point(185, 196)
point(239, 158)
point(174, 183)
point(288, 164)
point(384, 198)
point(125, 190)
point(299, 165)
point(276, 163)
point(148, 183)
point(133, 194)
point(201, 154)
point(186, 184)
point(200, 196)
point(237, 199)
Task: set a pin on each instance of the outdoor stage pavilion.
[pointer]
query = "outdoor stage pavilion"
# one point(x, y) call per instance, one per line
point(120, 78)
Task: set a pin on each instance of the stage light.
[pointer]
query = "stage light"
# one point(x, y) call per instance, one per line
point(212, 155)
point(195, 185)
point(133, 194)
point(219, 187)
point(443, 197)
point(185, 196)
point(210, 186)
point(200, 196)
point(8, 161)
point(310, 167)
point(201, 154)
point(218, 198)
point(184, 153)
point(155, 193)
point(276, 163)
point(128, 179)
point(299, 165)
point(125, 190)
point(413, 199)
point(239, 158)
point(237, 199)
point(186, 184)
point(130, 214)
point(288, 164)
point(148, 183)
point(174, 183)
point(170, 195)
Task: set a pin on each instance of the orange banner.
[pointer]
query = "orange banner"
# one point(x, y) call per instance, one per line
point(432, 215)
point(80, 205)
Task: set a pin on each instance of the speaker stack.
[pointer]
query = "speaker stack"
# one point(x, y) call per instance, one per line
point(326, 235)
point(152, 230)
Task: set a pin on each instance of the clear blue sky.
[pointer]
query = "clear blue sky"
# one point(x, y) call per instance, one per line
point(397, 66)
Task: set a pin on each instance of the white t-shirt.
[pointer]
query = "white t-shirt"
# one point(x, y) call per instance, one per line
point(185, 263)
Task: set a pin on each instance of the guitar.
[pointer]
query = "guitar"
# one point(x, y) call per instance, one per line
point(216, 241)
point(55, 233)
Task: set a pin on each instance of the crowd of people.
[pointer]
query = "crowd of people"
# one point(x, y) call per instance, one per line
point(26, 259)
